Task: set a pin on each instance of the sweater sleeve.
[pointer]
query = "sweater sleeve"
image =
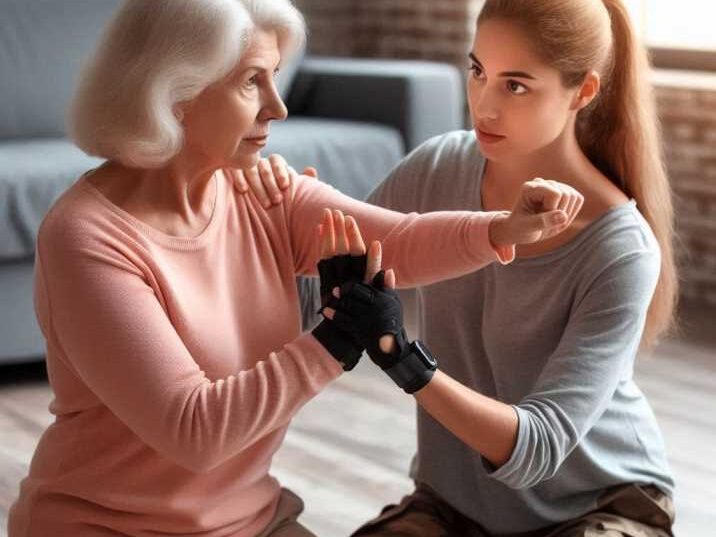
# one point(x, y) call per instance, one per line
point(101, 315)
point(581, 376)
point(421, 248)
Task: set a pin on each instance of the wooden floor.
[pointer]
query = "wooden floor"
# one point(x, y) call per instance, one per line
point(346, 474)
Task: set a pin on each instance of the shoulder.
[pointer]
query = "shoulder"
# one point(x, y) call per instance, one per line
point(625, 231)
point(80, 226)
point(437, 169)
point(69, 218)
point(455, 149)
point(460, 144)
point(622, 253)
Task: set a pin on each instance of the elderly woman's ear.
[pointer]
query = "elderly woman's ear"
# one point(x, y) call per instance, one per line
point(182, 109)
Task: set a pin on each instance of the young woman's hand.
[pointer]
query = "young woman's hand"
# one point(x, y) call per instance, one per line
point(268, 179)
point(544, 209)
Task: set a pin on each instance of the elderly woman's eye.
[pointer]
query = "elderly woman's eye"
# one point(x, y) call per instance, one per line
point(476, 70)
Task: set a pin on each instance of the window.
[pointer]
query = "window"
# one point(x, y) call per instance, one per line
point(686, 24)
point(679, 34)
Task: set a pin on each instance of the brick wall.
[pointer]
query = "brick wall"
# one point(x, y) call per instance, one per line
point(687, 106)
point(438, 30)
point(442, 30)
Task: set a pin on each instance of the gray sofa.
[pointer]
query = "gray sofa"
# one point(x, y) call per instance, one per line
point(351, 119)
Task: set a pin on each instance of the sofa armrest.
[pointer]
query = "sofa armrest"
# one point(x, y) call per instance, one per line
point(420, 99)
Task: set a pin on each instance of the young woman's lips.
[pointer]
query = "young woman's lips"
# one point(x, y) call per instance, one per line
point(487, 138)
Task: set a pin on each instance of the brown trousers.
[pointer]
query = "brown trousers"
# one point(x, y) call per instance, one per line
point(622, 511)
point(285, 522)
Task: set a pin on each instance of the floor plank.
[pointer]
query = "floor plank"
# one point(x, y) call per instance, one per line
point(346, 474)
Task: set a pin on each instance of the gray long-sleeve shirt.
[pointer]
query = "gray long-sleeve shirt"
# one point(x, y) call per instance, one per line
point(555, 336)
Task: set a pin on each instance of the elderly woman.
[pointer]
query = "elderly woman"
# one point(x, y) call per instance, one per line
point(168, 300)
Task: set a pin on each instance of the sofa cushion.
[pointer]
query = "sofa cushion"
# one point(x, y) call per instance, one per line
point(33, 173)
point(42, 47)
point(20, 334)
point(354, 157)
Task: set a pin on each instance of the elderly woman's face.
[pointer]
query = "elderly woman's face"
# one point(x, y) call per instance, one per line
point(228, 123)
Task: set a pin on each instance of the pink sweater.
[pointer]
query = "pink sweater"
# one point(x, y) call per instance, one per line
point(178, 363)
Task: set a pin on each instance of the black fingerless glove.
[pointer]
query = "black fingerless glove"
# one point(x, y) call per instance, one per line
point(369, 312)
point(335, 272)
point(340, 269)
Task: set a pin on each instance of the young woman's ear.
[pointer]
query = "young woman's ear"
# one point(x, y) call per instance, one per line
point(587, 91)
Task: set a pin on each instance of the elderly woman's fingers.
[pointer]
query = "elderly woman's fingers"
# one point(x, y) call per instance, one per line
point(356, 246)
point(240, 183)
point(375, 255)
point(563, 203)
point(570, 204)
point(328, 238)
point(390, 279)
point(339, 222)
point(269, 180)
point(257, 186)
point(539, 195)
point(575, 205)
point(310, 171)
point(280, 170)
point(319, 236)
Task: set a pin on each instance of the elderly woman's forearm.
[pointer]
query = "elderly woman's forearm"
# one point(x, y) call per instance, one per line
point(421, 248)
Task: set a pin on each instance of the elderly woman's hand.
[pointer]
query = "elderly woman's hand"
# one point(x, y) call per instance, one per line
point(342, 260)
point(340, 238)
point(340, 235)
point(268, 179)
point(342, 252)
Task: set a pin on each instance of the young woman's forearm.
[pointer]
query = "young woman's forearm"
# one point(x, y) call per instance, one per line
point(486, 425)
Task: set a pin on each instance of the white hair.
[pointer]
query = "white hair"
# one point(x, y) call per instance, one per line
point(156, 54)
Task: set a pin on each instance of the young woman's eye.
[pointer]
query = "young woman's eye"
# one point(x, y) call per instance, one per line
point(516, 87)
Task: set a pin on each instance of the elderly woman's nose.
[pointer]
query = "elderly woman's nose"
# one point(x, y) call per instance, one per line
point(274, 107)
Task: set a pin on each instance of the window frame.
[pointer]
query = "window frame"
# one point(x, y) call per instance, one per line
point(683, 59)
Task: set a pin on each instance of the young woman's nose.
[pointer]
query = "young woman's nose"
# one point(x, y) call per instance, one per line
point(485, 105)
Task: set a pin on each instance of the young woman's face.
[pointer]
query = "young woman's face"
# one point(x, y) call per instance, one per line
point(229, 121)
point(513, 95)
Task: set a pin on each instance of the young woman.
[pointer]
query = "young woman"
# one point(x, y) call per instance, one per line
point(532, 423)
point(168, 301)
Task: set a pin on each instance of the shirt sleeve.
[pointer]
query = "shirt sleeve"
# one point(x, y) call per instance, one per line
point(105, 322)
point(582, 375)
point(420, 248)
